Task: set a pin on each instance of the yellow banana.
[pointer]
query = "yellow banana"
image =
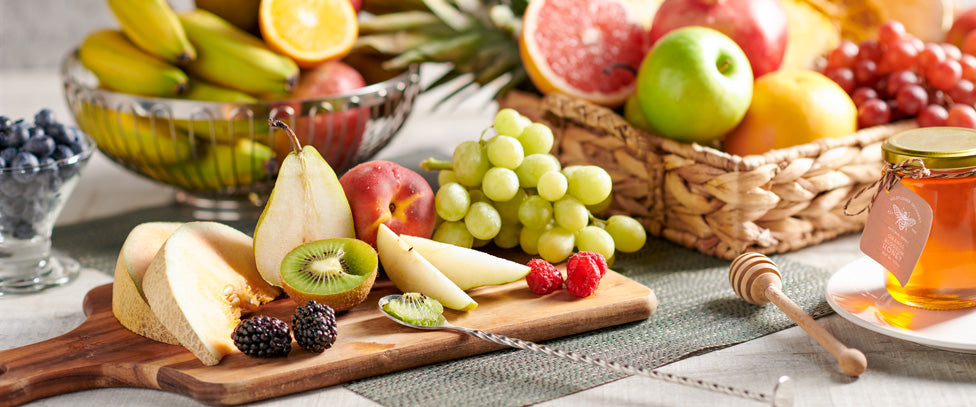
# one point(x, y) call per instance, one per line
point(137, 139)
point(121, 66)
point(153, 26)
point(229, 56)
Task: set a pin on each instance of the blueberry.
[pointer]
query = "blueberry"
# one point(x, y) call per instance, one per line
point(59, 132)
point(5, 123)
point(40, 145)
point(24, 159)
point(62, 152)
point(16, 135)
point(44, 117)
point(8, 155)
point(79, 146)
point(3, 162)
point(35, 131)
point(28, 162)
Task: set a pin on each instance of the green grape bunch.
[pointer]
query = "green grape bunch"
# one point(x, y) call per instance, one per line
point(510, 190)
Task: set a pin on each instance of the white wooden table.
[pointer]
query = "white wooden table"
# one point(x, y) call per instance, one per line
point(899, 373)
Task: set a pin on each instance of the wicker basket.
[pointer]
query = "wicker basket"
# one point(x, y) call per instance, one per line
point(711, 201)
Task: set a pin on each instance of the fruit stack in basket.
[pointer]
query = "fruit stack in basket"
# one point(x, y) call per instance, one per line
point(184, 96)
point(732, 126)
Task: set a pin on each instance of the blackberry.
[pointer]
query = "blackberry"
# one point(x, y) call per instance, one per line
point(262, 337)
point(315, 326)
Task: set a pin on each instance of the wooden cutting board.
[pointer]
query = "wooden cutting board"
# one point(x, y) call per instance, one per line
point(102, 353)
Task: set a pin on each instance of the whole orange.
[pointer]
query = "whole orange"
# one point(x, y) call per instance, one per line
point(791, 107)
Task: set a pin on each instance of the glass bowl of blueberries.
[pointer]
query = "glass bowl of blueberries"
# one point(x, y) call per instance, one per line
point(40, 163)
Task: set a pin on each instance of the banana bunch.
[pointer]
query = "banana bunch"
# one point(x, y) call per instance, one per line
point(161, 53)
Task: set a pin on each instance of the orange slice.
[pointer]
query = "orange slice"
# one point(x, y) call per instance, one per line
point(588, 49)
point(309, 31)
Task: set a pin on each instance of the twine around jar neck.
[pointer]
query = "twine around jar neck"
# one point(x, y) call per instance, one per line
point(912, 168)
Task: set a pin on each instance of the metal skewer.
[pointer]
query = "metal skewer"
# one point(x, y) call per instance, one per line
point(782, 394)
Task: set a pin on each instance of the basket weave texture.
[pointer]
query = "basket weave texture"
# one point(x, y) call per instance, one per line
point(711, 201)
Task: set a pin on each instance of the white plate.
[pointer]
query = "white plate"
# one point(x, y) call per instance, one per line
point(856, 292)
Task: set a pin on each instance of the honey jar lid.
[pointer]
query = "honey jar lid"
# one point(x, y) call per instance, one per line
point(940, 148)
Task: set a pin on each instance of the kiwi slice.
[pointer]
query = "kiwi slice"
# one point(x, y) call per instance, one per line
point(337, 272)
point(417, 309)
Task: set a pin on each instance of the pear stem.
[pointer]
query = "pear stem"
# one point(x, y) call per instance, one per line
point(432, 164)
point(296, 145)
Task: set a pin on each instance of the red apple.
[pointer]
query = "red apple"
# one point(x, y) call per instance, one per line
point(961, 26)
point(382, 192)
point(759, 27)
point(337, 136)
point(357, 4)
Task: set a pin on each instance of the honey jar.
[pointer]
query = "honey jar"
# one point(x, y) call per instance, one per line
point(945, 275)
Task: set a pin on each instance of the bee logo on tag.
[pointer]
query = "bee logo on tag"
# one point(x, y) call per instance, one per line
point(902, 219)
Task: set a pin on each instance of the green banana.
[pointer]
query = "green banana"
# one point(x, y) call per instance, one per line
point(205, 91)
point(121, 66)
point(229, 56)
point(153, 26)
point(221, 166)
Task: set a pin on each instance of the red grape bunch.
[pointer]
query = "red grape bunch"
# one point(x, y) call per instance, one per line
point(898, 76)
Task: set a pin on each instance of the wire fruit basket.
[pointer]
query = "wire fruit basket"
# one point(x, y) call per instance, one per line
point(222, 158)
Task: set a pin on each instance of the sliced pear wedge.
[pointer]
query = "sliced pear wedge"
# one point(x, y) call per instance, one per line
point(200, 282)
point(128, 302)
point(468, 268)
point(410, 271)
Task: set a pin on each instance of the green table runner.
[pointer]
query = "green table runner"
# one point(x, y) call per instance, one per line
point(697, 312)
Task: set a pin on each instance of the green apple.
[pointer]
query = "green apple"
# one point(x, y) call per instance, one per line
point(695, 85)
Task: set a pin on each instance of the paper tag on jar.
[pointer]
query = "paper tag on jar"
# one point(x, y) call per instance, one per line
point(896, 230)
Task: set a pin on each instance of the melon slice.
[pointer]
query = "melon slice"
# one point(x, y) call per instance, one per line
point(409, 271)
point(128, 302)
point(468, 268)
point(200, 283)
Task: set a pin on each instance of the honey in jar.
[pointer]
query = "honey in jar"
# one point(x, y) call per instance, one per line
point(945, 275)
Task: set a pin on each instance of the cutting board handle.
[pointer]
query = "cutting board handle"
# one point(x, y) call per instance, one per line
point(67, 363)
point(93, 355)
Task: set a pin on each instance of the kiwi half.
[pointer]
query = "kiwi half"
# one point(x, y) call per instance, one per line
point(417, 309)
point(337, 272)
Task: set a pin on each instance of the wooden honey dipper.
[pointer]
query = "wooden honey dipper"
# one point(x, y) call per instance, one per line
point(757, 280)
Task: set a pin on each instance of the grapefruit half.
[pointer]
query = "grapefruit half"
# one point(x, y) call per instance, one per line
point(588, 49)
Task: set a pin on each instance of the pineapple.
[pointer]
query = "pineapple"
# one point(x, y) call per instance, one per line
point(477, 38)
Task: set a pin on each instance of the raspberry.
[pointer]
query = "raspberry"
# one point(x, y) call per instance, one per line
point(544, 278)
point(601, 262)
point(583, 273)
